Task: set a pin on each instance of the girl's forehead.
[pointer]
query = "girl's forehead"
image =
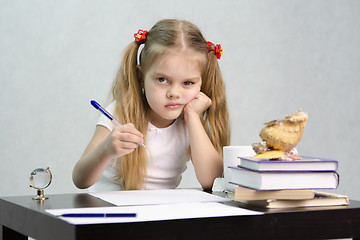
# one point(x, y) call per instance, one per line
point(184, 58)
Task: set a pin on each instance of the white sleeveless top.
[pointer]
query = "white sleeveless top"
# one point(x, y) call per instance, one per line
point(167, 157)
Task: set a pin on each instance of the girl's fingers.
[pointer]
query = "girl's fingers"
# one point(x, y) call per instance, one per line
point(199, 104)
point(131, 140)
point(130, 128)
point(128, 133)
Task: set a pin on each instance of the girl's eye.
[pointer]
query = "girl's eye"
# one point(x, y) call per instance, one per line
point(162, 80)
point(188, 83)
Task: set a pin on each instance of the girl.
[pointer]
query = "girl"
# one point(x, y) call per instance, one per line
point(173, 101)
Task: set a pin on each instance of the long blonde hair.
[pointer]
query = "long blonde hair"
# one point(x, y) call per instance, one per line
point(131, 105)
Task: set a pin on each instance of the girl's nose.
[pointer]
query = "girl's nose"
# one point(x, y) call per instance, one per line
point(173, 92)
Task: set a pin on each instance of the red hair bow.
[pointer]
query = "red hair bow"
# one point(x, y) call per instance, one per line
point(218, 49)
point(140, 36)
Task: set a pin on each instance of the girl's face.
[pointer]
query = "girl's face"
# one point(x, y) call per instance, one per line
point(171, 82)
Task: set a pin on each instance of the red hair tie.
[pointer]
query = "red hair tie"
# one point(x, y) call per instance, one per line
point(218, 49)
point(140, 36)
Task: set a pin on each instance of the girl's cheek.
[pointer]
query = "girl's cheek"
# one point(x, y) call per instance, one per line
point(197, 91)
point(193, 94)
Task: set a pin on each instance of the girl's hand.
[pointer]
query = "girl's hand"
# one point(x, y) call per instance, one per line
point(198, 105)
point(122, 140)
point(102, 148)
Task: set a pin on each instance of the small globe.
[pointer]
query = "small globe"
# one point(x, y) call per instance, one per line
point(40, 178)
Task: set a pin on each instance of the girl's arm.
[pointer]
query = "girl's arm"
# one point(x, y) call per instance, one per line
point(102, 148)
point(207, 161)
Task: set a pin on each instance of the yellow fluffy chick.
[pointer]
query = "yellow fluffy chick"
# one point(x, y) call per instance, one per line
point(284, 134)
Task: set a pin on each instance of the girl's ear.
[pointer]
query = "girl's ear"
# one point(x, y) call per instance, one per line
point(140, 75)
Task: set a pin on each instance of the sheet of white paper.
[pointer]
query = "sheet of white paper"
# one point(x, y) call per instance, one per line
point(155, 212)
point(163, 196)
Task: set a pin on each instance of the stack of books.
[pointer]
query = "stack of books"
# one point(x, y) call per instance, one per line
point(278, 184)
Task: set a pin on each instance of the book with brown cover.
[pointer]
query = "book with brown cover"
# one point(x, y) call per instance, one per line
point(243, 193)
point(320, 199)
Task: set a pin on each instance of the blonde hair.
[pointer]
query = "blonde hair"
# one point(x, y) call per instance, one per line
point(131, 105)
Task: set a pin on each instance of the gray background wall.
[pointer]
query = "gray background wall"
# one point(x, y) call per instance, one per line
point(279, 55)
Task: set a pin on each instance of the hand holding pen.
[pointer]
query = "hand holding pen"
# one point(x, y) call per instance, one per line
point(128, 134)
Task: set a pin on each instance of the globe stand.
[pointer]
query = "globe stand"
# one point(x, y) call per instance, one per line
point(40, 195)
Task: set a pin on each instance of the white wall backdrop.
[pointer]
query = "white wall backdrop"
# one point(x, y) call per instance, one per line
point(279, 55)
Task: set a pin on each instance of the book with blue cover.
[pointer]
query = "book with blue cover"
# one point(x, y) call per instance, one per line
point(281, 180)
point(304, 164)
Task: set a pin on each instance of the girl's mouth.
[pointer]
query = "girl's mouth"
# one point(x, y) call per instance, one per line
point(173, 105)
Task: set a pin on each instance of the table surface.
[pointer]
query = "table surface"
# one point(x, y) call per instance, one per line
point(21, 216)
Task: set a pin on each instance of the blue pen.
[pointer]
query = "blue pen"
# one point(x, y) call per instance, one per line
point(98, 215)
point(107, 114)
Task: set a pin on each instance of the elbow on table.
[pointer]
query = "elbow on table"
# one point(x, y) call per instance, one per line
point(78, 183)
point(207, 180)
point(207, 184)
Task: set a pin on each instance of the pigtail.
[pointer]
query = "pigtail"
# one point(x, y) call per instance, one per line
point(131, 108)
point(216, 118)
